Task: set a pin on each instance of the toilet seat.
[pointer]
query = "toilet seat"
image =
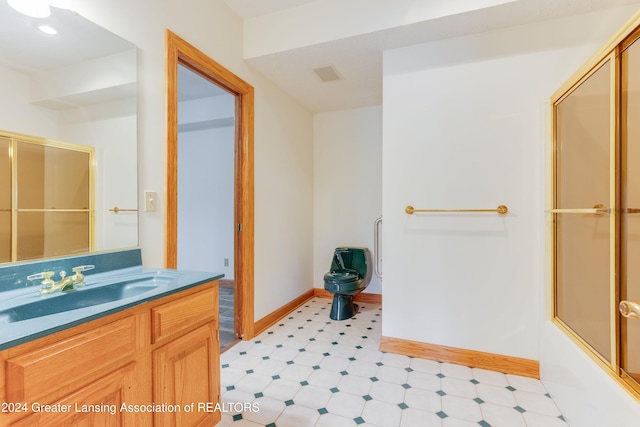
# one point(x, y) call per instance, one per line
point(346, 282)
point(341, 277)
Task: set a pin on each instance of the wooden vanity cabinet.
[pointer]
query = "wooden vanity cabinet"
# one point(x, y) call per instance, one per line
point(154, 364)
point(186, 361)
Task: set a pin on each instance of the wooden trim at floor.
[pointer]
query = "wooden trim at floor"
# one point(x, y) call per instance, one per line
point(361, 297)
point(460, 356)
point(270, 319)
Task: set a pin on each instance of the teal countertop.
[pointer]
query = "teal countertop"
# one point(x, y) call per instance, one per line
point(26, 315)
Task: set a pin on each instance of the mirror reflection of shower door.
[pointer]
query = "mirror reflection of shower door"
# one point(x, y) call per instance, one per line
point(630, 233)
point(5, 200)
point(583, 220)
point(54, 200)
point(46, 198)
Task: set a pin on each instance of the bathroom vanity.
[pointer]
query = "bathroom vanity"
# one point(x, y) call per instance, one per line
point(149, 357)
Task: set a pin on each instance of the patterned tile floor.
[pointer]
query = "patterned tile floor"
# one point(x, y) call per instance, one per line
point(309, 370)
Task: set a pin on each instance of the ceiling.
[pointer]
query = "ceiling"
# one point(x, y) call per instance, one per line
point(80, 40)
point(252, 8)
point(358, 58)
point(51, 60)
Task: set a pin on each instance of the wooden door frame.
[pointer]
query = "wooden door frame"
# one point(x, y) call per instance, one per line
point(178, 51)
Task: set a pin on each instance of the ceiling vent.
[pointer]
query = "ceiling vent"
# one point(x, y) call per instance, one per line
point(327, 74)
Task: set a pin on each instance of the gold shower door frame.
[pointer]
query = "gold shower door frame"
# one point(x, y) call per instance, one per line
point(606, 360)
point(16, 138)
point(629, 289)
point(614, 362)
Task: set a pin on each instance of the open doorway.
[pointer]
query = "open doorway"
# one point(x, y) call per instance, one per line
point(209, 213)
point(206, 142)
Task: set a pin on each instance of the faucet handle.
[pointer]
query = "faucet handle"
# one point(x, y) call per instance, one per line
point(78, 277)
point(46, 275)
point(83, 268)
point(46, 283)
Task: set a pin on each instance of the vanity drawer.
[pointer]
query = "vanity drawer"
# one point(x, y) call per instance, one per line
point(179, 315)
point(77, 360)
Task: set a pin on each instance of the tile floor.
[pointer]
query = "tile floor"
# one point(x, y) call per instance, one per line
point(309, 370)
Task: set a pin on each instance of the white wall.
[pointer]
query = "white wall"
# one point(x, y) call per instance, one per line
point(111, 128)
point(99, 79)
point(203, 112)
point(205, 202)
point(206, 226)
point(284, 201)
point(465, 125)
point(17, 114)
point(347, 191)
point(283, 138)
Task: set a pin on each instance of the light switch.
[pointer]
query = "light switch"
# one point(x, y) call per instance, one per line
point(150, 201)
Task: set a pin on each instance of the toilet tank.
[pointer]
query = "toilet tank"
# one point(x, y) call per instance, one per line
point(358, 259)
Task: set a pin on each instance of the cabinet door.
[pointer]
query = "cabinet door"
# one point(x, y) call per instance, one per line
point(98, 404)
point(187, 372)
point(42, 375)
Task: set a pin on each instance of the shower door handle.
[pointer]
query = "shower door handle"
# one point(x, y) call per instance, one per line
point(630, 309)
point(598, 209)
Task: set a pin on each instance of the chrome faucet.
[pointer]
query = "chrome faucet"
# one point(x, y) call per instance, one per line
point(65, 284)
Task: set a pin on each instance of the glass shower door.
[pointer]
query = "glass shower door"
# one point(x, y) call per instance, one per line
point(630, 218)
point(583, 220)
point(596, 209)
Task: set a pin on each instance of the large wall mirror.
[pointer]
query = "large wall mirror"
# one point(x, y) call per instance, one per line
point(76, 87)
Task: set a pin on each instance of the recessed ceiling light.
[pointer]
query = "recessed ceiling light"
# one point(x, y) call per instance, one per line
point(47, 29)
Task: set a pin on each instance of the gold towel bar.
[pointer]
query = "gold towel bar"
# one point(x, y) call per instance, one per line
point(117, 209)
point(502, 209)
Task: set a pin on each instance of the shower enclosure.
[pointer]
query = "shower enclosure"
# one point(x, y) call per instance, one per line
point(596, 208)
point(46, 198)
